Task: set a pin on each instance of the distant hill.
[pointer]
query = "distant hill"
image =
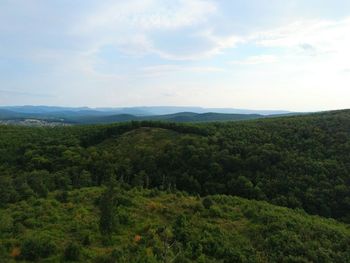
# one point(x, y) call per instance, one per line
point(4, 114)
point(20, 115)
point(177, 117)
point(163, 110)
point(204, 117)
point(138, 111)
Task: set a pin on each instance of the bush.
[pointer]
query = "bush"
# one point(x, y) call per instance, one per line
point(72, 252)
point(6, 223)
point(34, 248)
point(181, 229)
point(86, 239)
point(207, 202)
point(62, 196)
point(124, 217)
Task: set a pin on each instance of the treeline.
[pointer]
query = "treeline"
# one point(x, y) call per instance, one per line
point(299, 162)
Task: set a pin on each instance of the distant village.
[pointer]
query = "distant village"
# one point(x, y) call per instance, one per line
point(34, 122)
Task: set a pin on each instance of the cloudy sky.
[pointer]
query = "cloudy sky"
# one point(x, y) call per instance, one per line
point(257, 54)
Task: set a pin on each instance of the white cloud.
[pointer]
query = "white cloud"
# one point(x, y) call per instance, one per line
point(220, 43)
point(137, 44)
point(147, 15)
point(311, 45)
point(215, 46)
point(131, 26)
point(171, 69)
point(254, 60)
point(321, 35)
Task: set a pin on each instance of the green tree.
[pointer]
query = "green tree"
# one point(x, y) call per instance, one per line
point(72, 252)
point(107, 216)
point(7, 192)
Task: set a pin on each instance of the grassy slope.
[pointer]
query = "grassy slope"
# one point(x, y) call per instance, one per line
point(144, 137)
point(245, 231)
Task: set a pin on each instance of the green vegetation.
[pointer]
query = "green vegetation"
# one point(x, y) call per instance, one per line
point(159, 191)
point(154, 226)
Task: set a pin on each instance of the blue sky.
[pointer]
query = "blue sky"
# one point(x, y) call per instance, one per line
point(257, 54)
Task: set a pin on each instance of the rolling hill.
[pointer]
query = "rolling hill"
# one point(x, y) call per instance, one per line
point(137, 111)
point(177, 117)
point(59, 115)
point(155, 191)
point(85, 117)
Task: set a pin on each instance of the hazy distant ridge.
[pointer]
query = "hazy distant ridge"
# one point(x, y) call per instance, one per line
point(138, 111)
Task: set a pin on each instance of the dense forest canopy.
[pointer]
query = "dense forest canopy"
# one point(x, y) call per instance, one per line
point(59, 175)
point(298, 162)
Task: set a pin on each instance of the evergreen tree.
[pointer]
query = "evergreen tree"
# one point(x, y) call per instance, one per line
point(107, 216)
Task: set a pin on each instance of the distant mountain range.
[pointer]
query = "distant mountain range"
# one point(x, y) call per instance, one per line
point(138, 111)
point(85, 115)
point(176, 117)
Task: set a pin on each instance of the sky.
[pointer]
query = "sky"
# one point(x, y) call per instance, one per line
point(253, 54)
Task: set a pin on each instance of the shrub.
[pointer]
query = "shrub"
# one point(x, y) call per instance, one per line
point(181, 229)
point(62, 196)
point(34, 248)
point(6, 223)
point(207, 202)
point(86, 239)
point(124, 217)
point(72, 252)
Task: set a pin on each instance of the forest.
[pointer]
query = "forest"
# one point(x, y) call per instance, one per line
point(265, 190)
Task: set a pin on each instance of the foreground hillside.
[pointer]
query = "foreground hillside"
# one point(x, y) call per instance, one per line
point(154, 226)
